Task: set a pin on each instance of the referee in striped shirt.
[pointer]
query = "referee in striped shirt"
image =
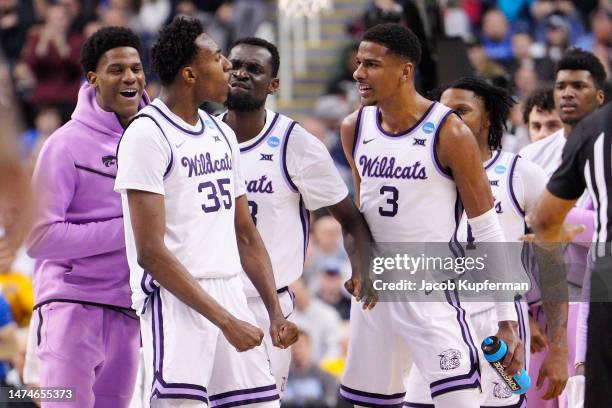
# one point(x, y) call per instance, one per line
point(587, 164)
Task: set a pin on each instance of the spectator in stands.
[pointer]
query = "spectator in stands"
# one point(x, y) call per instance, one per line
point(517, 12)
point(496, 36)
point(556, 37)
point(320, 319)
point(326, 251)
point(525, 82)
point(331, 290)
point(484, 66)
point(52, 54)
point(523, 56)
point(15, 21)
point(541, 10)
point(601, 31)
point(46, 121)
point(540, 116)
point(308, 386)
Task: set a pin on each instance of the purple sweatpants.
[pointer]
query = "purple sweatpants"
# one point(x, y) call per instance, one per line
point(534, 399)
point(92, 349)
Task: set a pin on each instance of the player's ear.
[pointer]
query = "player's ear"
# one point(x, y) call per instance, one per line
point(92, 79)
point(188, 75)
point(600, 97)
point(407, 71)
point(273, 87)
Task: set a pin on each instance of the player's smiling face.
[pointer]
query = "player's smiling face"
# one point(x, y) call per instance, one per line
point(379, 73)
point(471, 108)
point(251, 79)
point(119, 81)
point(211, 71)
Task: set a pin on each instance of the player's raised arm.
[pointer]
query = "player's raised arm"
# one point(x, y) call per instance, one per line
point(458, 151)
point(257, 265)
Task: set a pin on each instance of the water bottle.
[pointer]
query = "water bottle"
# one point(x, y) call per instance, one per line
point(495, 350)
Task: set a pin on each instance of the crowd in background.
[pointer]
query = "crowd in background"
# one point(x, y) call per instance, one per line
point(513, 43)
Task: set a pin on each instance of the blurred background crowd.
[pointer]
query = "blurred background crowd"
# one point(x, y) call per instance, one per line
point(514, 43)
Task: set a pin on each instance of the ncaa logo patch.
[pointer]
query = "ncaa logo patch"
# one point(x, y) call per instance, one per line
point(429, 127)
point(450, 359)
point(500, 169)
point(209, 124)
point(273, 141)
point(501, 390)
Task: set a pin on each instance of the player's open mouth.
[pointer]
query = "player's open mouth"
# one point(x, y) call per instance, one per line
point(129, 93)
point(241, 85)
point(364, 89)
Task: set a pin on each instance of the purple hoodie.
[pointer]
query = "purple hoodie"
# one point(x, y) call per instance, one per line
point(77, 235)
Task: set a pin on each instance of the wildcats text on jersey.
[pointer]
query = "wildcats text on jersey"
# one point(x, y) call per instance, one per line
point(202, 164)
point(385, 167)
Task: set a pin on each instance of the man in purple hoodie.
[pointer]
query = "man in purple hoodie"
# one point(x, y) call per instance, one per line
point(88, 336)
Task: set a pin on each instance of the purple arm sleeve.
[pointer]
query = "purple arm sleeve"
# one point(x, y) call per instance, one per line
point(53, 237)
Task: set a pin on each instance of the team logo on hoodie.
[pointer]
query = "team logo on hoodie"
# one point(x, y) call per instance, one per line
point(109, 160)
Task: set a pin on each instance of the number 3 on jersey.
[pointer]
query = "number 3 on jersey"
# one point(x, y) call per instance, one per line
point(392, 195)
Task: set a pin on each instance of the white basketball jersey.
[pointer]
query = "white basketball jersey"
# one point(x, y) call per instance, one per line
point(510, 209)
point(199, 187)
point(275, 203)
point(405, 195)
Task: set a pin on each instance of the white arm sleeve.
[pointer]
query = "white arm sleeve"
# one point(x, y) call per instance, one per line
point(530, 181)
point(143, 158)
point(312, 170)
point(486, 228)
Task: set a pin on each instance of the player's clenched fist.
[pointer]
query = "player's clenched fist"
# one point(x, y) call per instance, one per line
point(283, 332)
point(242, 335)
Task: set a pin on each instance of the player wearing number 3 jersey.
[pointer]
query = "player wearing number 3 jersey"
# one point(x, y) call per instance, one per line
point(416, 167)
point(189, 234)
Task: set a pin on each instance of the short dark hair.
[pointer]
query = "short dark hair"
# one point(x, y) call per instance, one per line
point(542, 99)
point(106, 39)
point(579, 59)
point(260, 42)
point(497, 102)
point(175, 47)
point(398, 39)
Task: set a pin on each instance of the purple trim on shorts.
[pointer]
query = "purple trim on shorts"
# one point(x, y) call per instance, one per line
point(357, 135)
point(369, 399)
point(283, 160)
point(191, 133)
point(521, 320)
point(417, 405)
point(453, 243)
point(515, 202)
point(434, 154)
point(262, 137)
point(408, 131)
point(243, 397)
point(522, 403)
point(472, 378)
point(456, 383)
point(160, 388)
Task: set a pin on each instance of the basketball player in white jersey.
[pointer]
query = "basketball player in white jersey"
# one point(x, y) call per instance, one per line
point(414, 163)
point(516, 185)
point(289, 172)
point(189, 234)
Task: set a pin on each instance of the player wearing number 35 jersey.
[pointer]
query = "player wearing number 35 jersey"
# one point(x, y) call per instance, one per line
point(189, 235)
